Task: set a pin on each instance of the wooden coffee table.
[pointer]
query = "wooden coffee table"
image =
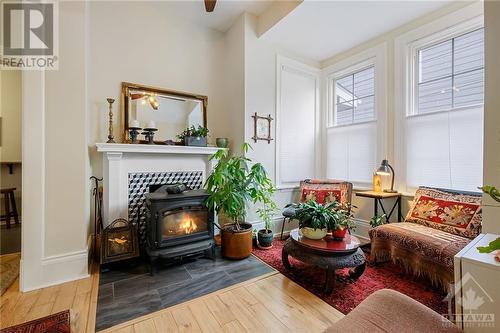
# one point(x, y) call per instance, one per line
point(326, 253)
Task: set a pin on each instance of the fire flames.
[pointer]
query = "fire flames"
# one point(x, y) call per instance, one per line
point(187, 225)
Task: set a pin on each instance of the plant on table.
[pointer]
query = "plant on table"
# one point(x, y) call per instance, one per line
point(494, 245)
point(343, 221)
point(315, 219)
point(231, 186)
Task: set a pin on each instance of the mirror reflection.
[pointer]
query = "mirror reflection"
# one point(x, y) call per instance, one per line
point(169, 112)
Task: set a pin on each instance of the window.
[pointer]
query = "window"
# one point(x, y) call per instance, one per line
point(297, 92)
point(355, 130)
point(451, 73)
point(355, 97)
point(442, 129)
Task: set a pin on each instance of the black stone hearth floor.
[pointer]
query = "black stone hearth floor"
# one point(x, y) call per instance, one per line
point(127, 291)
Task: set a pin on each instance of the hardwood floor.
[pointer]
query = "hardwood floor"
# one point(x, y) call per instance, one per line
point(80, 296)
point(269, 303)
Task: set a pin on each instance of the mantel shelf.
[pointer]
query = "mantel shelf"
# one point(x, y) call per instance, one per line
point(153, 149)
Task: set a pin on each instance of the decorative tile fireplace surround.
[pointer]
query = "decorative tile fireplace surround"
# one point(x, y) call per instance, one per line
point(130, 169)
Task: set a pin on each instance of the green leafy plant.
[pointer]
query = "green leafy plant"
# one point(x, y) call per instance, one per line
point(233, 184)
point(317, 216)
point(199, 131)
point(492, 191)
point(494, 245)
point(378, 220)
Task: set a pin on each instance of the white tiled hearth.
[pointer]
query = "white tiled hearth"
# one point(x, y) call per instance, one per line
point(120, 160)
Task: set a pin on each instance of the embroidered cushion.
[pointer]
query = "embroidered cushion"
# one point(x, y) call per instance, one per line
point(458, 214)
point(325, 191)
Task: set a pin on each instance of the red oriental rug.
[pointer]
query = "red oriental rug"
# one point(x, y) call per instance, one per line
point(347, 294)
point(56, 323)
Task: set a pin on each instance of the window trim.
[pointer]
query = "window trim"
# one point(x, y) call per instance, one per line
point(377, 57)
point(351, 72)
point(457, 21)
point(428, 41)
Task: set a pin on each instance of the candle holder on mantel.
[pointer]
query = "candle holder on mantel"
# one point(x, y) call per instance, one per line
point(134, 133)
point(111, 138)
point(149, 133)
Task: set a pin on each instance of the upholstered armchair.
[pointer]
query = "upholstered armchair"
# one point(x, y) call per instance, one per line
point(321, 191)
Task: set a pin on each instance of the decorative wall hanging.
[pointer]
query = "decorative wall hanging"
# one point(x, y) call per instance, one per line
point(119, 241)
point(262, 128)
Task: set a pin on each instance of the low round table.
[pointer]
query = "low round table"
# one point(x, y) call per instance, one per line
point(326, 253)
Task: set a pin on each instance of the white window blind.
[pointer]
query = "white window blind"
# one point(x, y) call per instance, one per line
point(297, 126)
point(444, 134)
point(352, 141)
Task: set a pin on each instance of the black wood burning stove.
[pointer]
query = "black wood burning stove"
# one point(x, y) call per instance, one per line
point(178, 225)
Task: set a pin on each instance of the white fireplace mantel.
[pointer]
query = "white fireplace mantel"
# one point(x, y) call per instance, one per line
point(154, 149)
point(120, 160)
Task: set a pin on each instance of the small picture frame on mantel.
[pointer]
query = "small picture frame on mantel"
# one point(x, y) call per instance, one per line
point(262, 128)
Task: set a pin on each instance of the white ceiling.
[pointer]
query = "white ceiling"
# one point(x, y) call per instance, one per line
point(321, 29)
point(222, 18)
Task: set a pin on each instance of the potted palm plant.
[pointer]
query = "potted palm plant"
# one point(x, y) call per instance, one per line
point(231, 186)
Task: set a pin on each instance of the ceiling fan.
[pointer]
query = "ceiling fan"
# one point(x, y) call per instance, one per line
point(210, 5)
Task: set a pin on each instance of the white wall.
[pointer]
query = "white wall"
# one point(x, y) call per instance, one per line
point(260, 97)
point(151, 45)
point(491, 160)
point(55, 164)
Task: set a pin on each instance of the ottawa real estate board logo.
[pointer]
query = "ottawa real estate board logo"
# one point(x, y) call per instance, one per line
point(29, 35)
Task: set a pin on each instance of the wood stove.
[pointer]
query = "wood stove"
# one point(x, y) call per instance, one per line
point(178, 225)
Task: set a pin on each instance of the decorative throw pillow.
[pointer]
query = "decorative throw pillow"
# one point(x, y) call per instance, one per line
point(325, 191)
point(459, 214)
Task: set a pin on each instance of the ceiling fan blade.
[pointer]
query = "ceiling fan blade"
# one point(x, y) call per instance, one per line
point(210, 5)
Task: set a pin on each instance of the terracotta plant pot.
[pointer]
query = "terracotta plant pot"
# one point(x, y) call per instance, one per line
point(339, 233)
point(312, 233)
point(265, 237)
point(237, 244)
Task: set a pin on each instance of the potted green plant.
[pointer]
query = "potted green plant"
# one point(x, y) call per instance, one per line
point(315, 219)
point(194, 136)
point(494, 245)
point(231, 186)
point(378, 220)
point(265, 236)
point(343, 223)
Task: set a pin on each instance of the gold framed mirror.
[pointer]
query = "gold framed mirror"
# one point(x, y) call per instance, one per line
point(169, 111)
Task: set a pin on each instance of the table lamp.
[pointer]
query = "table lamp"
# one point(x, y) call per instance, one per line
point(385, 169)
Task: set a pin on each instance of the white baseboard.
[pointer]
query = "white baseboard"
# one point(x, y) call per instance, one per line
point(362, 228)
point(70, 266)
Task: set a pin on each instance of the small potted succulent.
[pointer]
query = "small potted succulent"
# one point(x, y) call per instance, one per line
point(194, 136)
point(316, 219)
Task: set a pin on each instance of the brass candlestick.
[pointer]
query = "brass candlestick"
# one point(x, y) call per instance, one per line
point(110, 128)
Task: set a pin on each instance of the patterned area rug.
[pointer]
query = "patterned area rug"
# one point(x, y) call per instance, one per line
point(9, 270)
point(56, 323)
point(347, 294)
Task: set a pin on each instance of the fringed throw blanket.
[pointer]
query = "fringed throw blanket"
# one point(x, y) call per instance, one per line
point(420, 249)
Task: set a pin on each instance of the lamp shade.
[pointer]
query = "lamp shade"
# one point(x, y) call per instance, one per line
point(384, 169)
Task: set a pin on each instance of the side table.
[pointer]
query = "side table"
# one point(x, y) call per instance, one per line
point(378, 198)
